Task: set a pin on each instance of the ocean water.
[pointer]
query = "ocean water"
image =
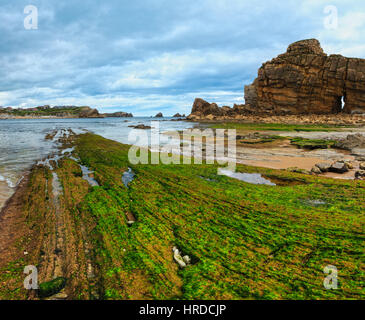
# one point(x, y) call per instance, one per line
point(22, 142)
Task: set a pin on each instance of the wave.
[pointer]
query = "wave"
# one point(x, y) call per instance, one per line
point(9, 182)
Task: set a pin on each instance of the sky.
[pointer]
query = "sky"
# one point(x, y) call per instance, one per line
point(155, 56)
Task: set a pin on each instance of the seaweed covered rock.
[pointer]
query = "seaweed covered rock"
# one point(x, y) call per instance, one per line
point(50, 288)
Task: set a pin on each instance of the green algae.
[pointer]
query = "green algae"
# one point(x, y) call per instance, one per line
point(246, 241)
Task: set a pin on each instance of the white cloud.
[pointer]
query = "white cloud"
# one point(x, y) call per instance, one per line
point(149, 55)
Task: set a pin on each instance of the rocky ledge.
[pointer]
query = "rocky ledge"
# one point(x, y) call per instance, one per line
point(304, 80)
point(119, 114)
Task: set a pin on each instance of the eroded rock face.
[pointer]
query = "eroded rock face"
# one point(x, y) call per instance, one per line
point(304, 80)
point(202, 108)
point(87, 112)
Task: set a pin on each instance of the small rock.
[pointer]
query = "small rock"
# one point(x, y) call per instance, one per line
point(349, 164)
point(187, 259)
point(339, 167)
point(362, 166)
point(360, 175)
point(316, 170)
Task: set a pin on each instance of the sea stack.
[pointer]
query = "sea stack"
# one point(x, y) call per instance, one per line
point(304, 80)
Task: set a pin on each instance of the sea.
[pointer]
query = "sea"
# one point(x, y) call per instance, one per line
point(23, 143)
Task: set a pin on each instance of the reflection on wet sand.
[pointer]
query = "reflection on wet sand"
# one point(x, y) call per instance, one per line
point(5, 193)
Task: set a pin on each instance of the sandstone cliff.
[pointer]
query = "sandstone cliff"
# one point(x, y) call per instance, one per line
point(304, 80)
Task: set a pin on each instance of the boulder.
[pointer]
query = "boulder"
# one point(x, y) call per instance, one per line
point(159, 115)
point(323, 166)
point(352, 141)
point(339, 167)
point(362, 166)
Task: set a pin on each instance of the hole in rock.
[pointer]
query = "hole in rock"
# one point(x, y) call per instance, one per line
point(340, 104)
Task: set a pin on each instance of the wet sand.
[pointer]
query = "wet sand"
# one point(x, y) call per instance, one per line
point(280, 154)
point(5, 193)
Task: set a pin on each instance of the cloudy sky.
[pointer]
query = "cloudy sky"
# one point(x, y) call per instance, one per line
point(158, 55)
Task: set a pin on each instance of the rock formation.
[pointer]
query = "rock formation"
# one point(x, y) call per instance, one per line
point(140, 126)
point(87, 112)
point(159, 115)
point(178, 115)
point(119, 114)
point(304, 80)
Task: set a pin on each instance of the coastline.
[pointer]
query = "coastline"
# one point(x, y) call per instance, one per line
point(14, 231)
point(46, 117)
point(106, 226)
point(328, 120)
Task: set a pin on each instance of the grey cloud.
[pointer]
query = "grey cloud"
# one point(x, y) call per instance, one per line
point(146, 56)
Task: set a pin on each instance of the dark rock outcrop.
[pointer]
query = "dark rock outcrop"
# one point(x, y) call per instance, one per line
point(304, 80)
point(178, 115)
point(159, 115)
point(140, 126)
point(119, 114)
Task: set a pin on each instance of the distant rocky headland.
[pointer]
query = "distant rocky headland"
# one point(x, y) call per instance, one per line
point(57, 112)
point(302, 81)
point(118, 114)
